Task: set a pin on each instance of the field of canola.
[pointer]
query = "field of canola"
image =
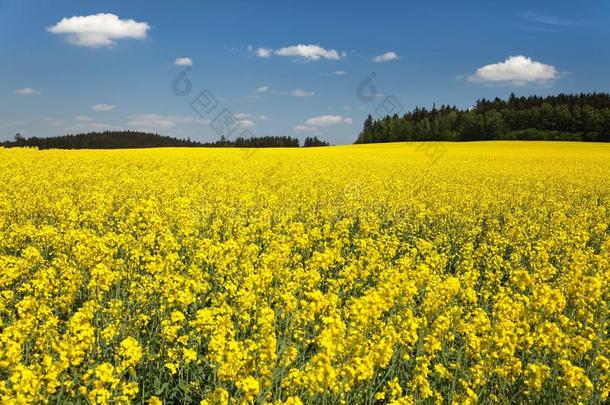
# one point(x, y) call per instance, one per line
point(358, 274)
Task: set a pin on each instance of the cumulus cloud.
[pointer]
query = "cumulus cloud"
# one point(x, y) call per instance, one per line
point(263, 52)
point(309, 52)
point(247, 120)
point(260, 51)
point(246, 123)
point(547, 19)
point(385, 57)
point(326, 120)
point(306, 128)
point(103, 107)
point(26, 91)
point(95, 126)
point(99, 30)
point(301, 93)
point(262, 89)
point(88, 126)
point(516, 69)
point(158, 121)
point(242, 116)
point(338, 72)
point(313, 124)
point(304, 52)
point(82, 118)
point(183, 62)
point(151, 121)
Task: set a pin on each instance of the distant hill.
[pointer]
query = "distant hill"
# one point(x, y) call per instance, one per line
point(135, 139)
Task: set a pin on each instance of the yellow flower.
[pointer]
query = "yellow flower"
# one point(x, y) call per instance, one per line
point(130, 352)
point(189, 355)
point(306, 276)
point(250, 387)
point(154, 400)
point(172, 367)
point(536, 375)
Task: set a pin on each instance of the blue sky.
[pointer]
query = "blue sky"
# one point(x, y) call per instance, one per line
point(100, 70)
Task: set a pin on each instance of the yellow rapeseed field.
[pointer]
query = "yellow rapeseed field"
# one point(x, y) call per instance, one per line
point(355, 274)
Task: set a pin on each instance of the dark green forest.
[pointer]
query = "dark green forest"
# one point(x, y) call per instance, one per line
point(310, 142)
point(134, 139)
point(580, 117)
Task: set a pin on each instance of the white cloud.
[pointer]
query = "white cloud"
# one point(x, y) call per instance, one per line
point(547, 19)
point(301, 93)
point(516, 69)
point(103, 107)
point(150, 121)
point(26, 91)
point(325, 120)
point(183, 62)
point(82, 118)
point(312, 124)
point(158, 121)
point(88, 126)
point(263, 52)
point(385, 57)
point(247, 119)
point(95, 126)
point(262, 89)
point(245, 123)
point(338, 73)
point(305, 52)
point(99, 30)
point(305, 128)
point(309, 52)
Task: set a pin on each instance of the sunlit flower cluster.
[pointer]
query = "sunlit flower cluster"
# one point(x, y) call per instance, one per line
point(357, 274)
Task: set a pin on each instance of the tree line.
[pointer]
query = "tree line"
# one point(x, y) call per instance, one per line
point(310, 142)
point(566, 117)
point(255, 142)
point(136, 139)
